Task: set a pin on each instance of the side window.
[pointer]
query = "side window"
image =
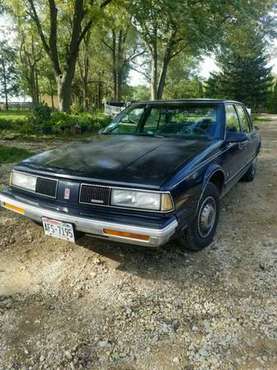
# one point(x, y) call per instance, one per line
point(244, 121)
point(129, 122)
point(152, 121)
point(232, 121)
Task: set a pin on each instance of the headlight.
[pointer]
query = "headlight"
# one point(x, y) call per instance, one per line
point(141, 199)
point(24, 181)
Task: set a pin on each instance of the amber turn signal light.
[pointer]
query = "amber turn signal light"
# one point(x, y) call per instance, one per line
point(14, 208)
point(124, 234)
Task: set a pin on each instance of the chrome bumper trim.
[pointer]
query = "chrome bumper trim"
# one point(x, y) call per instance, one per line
point(95, 227)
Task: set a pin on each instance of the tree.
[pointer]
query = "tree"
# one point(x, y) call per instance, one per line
point(158, 29)
point(272, 98)
point(245, 74)
point(30, 54)
point(63, 53)
point(8, 72)
point(182, 79)
point(121, 42)
point(213, 88)
point(169, 28)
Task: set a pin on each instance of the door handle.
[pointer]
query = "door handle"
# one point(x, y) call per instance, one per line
point(243, 145)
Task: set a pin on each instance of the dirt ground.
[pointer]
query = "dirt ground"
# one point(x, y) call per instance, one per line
point(101, 306)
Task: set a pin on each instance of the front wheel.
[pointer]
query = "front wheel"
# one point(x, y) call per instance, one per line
point(251, 172)
point(202, 230)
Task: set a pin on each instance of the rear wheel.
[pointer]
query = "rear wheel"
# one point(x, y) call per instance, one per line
point(202, 230)
point(251, 172)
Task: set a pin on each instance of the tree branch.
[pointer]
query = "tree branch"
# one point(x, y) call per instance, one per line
point(134, 56)
point(86, 29)
point(107, 45)
point(146, 75)
point(33, 14)
point(105, 3)
point(77, 33)
point(53, 36)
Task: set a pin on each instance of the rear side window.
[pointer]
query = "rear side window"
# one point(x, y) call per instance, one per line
point(232, 121)
point(244, 121)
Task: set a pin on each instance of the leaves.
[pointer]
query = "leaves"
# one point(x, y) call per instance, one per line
point(245, 75)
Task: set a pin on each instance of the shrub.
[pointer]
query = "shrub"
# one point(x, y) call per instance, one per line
point(43, 121)
point(77, 123)
point(13, 154)
point(12, 121)
point(40, 119)
point(41, 114)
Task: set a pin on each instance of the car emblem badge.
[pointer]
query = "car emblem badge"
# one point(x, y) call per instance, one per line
point(66, 193)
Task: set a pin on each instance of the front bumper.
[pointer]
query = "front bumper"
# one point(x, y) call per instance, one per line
point(157, 236)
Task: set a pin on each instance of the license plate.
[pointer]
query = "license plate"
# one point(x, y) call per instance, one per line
point(58, 229)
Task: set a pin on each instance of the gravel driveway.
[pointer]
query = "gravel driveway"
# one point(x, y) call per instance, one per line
point(101, 306)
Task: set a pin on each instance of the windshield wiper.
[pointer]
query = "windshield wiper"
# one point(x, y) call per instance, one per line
point(150, 135)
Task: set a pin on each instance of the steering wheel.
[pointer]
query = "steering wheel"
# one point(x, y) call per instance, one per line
point(187, 130)
point(200, 130)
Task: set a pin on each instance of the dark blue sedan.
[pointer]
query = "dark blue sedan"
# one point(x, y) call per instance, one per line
point(158, 171)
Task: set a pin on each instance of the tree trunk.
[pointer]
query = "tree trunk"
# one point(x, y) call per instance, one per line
point(64, 84)
point(84, 66)
point(5, 85)
point(33, 83)
point(37, 87)
point(52, 94)
point(120, 83)
point(154, 68)
point(154, 77)
point(162, 79)
point(119, 65)
point(114, 61)
point(85, 83)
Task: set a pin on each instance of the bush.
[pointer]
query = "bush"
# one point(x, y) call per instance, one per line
point(77, 123)
point(40, 119)
point(41, 114)
point(13, 154)
point(43, 121)
point(12, 121)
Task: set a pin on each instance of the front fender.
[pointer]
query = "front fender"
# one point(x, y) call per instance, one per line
point(212, 169)
point(189, 192)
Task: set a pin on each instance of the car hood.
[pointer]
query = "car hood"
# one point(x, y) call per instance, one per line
point(119, 159)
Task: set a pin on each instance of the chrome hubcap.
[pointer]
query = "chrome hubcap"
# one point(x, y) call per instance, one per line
point(207, 217)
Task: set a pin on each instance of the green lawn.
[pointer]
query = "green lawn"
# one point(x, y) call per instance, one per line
point(262, 119)
point(14, 115)
point(12, 154)
point(13, 120)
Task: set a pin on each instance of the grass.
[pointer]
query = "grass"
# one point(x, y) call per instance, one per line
point(13, 120)
point(10, 154)
point(14, 115)
point(262, 119)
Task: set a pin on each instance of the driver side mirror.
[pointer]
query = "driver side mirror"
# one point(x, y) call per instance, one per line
point(235, 137)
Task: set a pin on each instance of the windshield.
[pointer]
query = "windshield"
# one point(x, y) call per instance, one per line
point(191, 121)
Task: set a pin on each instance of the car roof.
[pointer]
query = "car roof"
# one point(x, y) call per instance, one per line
point(193, 101)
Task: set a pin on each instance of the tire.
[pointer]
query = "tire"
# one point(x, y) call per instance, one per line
point(201, 232)
point(251, 172)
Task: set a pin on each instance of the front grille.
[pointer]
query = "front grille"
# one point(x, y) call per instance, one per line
point(93, 194)
point(46, 187)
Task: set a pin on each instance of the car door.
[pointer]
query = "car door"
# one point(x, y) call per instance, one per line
point(249, 147)
point(234, 157)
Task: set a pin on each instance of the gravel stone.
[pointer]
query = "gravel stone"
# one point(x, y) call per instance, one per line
point(99, 305)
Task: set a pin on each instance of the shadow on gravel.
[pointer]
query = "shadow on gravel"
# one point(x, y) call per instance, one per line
point(156, 264)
